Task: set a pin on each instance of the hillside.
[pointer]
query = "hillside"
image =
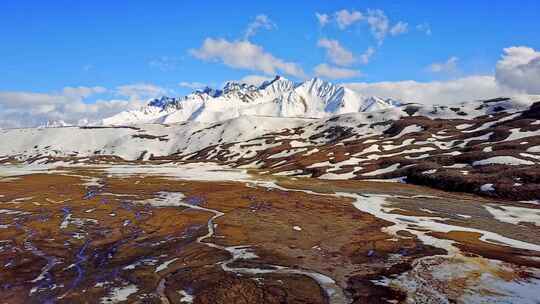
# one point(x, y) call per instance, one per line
point(489, 147)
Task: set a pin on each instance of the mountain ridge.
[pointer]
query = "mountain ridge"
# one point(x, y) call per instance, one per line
point(278, 97)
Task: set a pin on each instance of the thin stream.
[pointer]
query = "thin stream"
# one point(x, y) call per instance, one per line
point(333, 292)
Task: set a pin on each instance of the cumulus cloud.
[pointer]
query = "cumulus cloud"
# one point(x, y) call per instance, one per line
point(71, 104)
point(261, 22)
point(326, 71)
point(435, 92)
point(344, 18)
point(379, 24)
point(448, 66)
point(245, 55)
point(519, 69)
point(323, 19)
point(336, 53)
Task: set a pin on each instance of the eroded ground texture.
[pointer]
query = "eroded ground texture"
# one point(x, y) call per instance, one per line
point(201, 233)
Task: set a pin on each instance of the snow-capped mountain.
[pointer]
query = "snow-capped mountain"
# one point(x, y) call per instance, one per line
point(279, 97)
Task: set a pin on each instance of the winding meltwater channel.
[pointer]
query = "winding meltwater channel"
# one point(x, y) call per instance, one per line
point(378, 205)
point(333, 292)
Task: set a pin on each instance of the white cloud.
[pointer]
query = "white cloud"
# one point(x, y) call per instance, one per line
point(255, 80)
point(71, 104)
point(192, 85)
point(336, 53)
point(261, 22)
point(323, 19)
point(449, 66)
point(519, 69)
point(378, 23)
point(29, 99)
point(326, 71)
point(425, 28)
point(366, 56)
point(344, 18)
point(435, 92)
point(245, 55)
point(140, 91)
point(42, 101)
point(399, 28)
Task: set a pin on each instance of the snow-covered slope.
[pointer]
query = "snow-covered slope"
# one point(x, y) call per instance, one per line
point(132, 142)
point(279, 97)
point(129, 142)
point(491, 147)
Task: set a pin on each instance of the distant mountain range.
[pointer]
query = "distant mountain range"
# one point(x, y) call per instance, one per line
point(279, 97)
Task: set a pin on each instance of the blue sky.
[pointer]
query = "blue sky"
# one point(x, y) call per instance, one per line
point(49, 45)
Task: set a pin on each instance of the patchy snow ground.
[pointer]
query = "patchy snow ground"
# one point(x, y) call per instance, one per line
point(514, 215)
point(388, 169)
point(165, 264)
point(164, 199)
point(185, 297)
point(503, 160)
point(487, 187)
point(467, 280)
point(197, 171)
point(119, 294)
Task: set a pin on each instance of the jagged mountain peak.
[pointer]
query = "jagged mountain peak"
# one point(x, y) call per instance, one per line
point(233, 86)
point(320, 87)
point(277, 80)
point(209, 91)
point(279, 97)
point(161, 102)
